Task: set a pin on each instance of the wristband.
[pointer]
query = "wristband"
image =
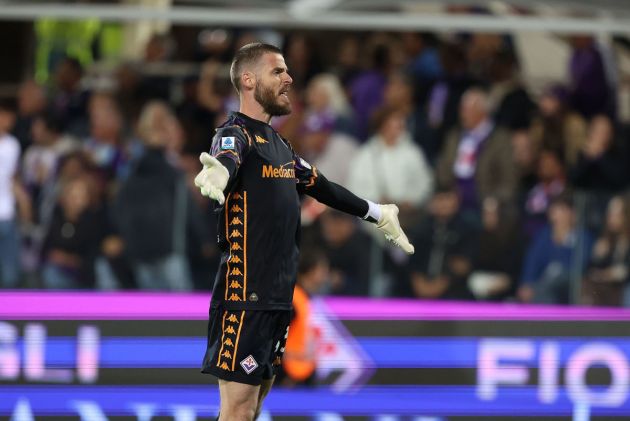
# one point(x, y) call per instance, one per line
point(374, 212)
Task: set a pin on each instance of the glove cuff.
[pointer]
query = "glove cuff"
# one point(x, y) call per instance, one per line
point(374, 213)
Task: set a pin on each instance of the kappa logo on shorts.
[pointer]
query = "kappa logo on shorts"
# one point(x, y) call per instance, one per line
point(249, 364)
point(227, 142)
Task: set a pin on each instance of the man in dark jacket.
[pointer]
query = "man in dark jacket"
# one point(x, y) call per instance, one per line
point(154, 209)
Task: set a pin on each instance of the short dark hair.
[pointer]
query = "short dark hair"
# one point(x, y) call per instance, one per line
point(8, 105)
point(52, 120)
point(380, 116)
point(246, 55)
point(564, 199)
point(310, 258)
point(74, 64)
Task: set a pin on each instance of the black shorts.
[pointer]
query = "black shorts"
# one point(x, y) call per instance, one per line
point(245, 346)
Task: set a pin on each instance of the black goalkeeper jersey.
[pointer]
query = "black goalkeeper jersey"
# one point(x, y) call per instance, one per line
point(259, 223)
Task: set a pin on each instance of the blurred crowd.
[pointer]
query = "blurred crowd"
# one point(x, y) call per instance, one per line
point(506, 194)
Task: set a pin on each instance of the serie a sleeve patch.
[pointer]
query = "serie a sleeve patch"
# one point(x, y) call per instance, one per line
point(228, 143)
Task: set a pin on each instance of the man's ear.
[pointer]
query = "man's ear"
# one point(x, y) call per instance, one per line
point(248, 80)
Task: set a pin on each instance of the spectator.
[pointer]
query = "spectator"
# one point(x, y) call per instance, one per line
point(399, 94)
point(499, 252)
point(129, 95)
point(390, 167)
point(348, 250)
point(481, 48)
point(367, 88)
point(607, 279)
point(477, 160)
point(600, 165)
point(422, 50)
point(72, 241)
point(75, 164)
point(31, 102)
point(443, 101)
point(424, 65)
point(557, 127)
point(105, 144)
point(326, 148)
point(69, 99)
point(554, 256)
point(39, 165)
point(513, 108)
point(445, 244)
point(551, 183)
point(9, 161)
point(590, 92)
point(348, 60)
point(525, 160)
point(154, 209)
point(324, 95)
point(300, 357)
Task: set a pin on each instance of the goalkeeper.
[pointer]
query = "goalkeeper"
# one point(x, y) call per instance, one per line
point(257, 179)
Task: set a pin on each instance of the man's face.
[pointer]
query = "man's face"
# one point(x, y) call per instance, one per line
point(471, 112)
point(272, 85)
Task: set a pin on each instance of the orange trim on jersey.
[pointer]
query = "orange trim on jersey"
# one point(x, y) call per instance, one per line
point(244, 245)
point(249, 138)
point(222, 339)
point(227, 152)
point(313, 177)
point(238, 335)
point(227, 237)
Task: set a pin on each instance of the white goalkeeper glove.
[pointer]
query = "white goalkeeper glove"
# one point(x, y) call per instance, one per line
point(213, 178)
point(388, 224)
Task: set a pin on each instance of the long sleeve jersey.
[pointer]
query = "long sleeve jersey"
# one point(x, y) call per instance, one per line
point(259, 223)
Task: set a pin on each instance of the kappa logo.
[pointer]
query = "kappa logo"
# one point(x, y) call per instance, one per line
point(249, 364)
point(235, 259)
point(233, 297)
point(235, 234)
point(228, 143)
point(236, 247)
point(236, 221)
point(236, 272)
point(232, 318)
point(261, 139)
point(235, 284)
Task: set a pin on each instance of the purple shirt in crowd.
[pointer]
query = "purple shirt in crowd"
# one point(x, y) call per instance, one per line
point(366, 93)
point(590, 94)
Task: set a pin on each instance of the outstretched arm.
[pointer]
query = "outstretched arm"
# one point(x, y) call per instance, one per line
point(229, 146)
point(313, 183)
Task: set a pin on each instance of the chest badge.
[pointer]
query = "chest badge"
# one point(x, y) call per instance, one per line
point(261, 139)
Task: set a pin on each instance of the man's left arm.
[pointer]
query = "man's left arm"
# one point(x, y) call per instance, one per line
point(311, 182)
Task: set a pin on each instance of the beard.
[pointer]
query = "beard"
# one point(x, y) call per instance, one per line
point(269, 100)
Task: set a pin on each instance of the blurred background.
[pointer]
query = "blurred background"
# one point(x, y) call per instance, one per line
point(501, 129)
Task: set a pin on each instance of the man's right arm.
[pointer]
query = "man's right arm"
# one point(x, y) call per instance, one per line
point(229, 147)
